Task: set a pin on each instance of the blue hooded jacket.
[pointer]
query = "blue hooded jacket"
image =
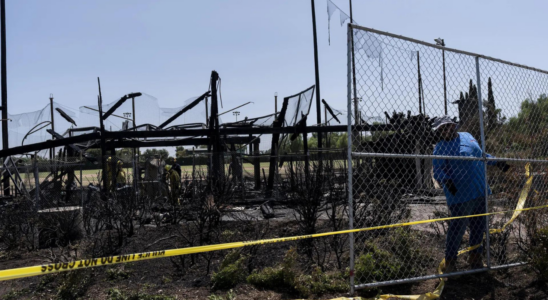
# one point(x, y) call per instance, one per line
point(467, 175)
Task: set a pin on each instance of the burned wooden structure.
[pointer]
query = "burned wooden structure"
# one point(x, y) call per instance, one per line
point(222, 139)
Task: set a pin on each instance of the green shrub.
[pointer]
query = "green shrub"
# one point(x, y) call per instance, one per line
point(538, 253)
point(401, 256)
point(406, 246)
point(116, 294)
point(320, 283)
point(231, 272)
point(376, 264)
point(281, 276)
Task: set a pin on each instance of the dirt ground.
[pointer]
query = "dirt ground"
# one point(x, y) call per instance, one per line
point(156, 280)
point(517, 283)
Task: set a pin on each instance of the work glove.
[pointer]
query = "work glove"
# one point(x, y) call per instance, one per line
point(450, 185)
point(503, 166)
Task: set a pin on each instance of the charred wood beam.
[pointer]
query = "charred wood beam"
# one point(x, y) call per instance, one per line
point(173, 143)
point(49, 144)
point(214, 130)
point(183, 133)
point(330, 111)
point(185, 109)
point(57, 136)
point(277, 124)
point(119, 103)
point(258, 130)
point(65, 116)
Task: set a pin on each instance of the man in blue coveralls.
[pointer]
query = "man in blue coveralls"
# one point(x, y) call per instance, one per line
point(464, 186)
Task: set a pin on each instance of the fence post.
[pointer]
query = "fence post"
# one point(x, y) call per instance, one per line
point(349, 152)
point(36, 181)
point(257, 165)
point(81, 182)
point(486, 189)
point(193, 167)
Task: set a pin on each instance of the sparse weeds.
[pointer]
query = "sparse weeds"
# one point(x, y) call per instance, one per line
point(15, 294)
point(117, 294)
point(74, 284)
point(287, 277)
point(230, 295)
point(114, 274)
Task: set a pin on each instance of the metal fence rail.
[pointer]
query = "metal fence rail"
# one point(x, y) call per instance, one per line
point(413, 172)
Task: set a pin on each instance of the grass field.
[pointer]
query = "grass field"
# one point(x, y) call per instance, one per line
point(91, 176)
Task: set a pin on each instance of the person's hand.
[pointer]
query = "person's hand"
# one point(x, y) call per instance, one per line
point(450, 185)
point(503, 166)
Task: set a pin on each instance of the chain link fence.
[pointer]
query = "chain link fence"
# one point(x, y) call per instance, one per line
point(457, 136)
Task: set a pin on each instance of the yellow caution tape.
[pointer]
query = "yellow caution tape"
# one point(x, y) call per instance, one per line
point(125, 258)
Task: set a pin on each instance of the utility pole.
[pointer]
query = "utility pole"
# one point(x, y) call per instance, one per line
point(276, 104)
point(52, 150)
point(236, 113)
point(5, 137)
point(318, 107)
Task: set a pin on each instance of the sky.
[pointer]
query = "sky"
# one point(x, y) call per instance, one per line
point(168, 49)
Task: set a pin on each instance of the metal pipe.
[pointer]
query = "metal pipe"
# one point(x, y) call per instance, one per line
point(444, 79)
point(317, 73)
point(5, 132)
point(349, 153)
point(396, 155)
point(519, 264)
point(423, 278)
point(419, 81)
point(357, 119)
point(484, 156)
point(420, 278)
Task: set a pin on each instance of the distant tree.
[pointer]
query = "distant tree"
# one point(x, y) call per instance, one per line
point(180, 152)
point(94, 152)
point(149, 153)
point(533, 114)
point(294, 146)
point(493, 117)
point(342, 141)
point(313, 141)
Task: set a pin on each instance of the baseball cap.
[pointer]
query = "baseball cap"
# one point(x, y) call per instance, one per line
point(443, 120)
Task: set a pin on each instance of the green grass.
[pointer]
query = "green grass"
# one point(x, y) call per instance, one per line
point(91, 176)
